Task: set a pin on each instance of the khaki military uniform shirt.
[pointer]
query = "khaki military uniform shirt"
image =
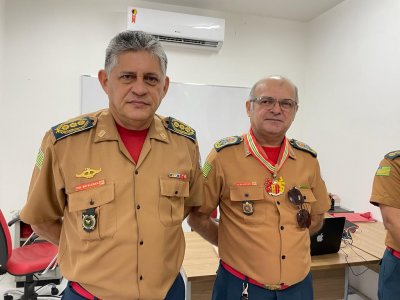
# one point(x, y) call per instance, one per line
point(137, 246)
point(267, 246)
point(386, 189)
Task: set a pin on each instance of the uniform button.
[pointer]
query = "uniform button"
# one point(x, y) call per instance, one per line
point(138, 206)
point(141, 277)
point(91, 202)
point(277, 202)
point(246, 195)
point(136, 172)
point(282, 227)
point(141, 243)
point(176, 192)
point(283, 256)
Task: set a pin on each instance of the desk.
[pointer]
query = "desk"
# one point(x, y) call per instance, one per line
point(370, 237)
point(330, 272)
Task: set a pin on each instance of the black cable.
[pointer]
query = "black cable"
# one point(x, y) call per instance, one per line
point(349, 242)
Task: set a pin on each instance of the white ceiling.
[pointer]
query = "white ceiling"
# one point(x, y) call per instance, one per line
point(300, 10)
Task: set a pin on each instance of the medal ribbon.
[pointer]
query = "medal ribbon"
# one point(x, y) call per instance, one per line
point(256, 150)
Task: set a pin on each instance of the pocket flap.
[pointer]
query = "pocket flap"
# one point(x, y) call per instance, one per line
point(93, 197)
point(174, 187)
point(243, 193)
point(308, 195)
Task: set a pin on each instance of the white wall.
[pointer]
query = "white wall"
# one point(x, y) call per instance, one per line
point(351, 84)
point(351, 80)
point(51, 43)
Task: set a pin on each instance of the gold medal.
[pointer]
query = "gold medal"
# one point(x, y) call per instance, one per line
point(275, 187)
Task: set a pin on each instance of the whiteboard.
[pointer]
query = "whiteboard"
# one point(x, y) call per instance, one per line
point(214, 111)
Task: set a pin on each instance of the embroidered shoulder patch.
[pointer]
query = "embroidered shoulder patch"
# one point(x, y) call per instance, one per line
point(180, 128)
point(383, 171)
point(65, 129)
point(228, 141)
point(40, 159)
point(206, 169)
point(392, 155)
point(302, 146)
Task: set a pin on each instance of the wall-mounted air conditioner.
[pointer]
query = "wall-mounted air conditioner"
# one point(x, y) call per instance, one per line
point(178, 29)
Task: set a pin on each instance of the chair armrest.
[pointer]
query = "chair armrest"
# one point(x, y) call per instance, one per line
point(13, 221)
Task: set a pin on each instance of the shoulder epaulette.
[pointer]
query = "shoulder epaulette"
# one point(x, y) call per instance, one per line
point(228, 141)
point(302, 146)
point(392, 155)
point(180, 128)
point(68, 128)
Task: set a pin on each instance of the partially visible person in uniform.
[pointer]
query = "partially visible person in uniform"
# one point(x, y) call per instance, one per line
point(111, 188)
point(386, 195)
point(271, 198)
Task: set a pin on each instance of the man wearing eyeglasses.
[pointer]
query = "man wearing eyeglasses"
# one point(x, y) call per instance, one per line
point(271, 198)
point(386, 195)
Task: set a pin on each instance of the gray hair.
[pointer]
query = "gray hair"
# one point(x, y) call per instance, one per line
point(134, 41)
point(280, 78)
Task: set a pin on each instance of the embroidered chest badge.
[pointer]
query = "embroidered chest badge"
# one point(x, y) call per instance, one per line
point(88, 173)
point(89, 219)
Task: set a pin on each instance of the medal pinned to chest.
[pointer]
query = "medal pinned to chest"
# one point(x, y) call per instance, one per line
point(275, 187)
point(89, 219)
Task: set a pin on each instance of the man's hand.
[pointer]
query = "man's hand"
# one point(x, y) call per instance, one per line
point(204, 225)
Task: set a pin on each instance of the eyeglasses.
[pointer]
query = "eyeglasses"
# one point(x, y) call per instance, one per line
point(303, 216)
point(269, 102)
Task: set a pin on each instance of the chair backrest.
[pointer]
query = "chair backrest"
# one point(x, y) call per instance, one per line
point(5, 241)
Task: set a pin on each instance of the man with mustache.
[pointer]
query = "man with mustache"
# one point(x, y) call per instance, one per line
point(111, 188)
point(271, 198)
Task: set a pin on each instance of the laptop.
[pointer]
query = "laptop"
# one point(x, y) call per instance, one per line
point(328, 239)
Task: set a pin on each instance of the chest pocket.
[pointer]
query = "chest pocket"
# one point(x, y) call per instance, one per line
point(253, 194)
point(172, 201)
point(309, 199)
point(102, 199)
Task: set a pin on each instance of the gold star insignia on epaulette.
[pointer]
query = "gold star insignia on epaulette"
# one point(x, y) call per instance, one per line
point(228, 141)
point(67, 128)
point(302, 146)
point(181, 128)
point(392, 155)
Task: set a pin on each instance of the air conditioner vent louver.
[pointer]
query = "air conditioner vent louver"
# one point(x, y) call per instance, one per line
point(169, 39)
point(177, 29)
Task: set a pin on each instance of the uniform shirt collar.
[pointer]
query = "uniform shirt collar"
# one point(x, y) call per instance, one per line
point(106, 130)
point(247, 151)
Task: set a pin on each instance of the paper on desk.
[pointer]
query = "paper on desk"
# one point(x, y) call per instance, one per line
point(356, 217)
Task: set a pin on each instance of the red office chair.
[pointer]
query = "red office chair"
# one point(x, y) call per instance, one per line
point(25, 261)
